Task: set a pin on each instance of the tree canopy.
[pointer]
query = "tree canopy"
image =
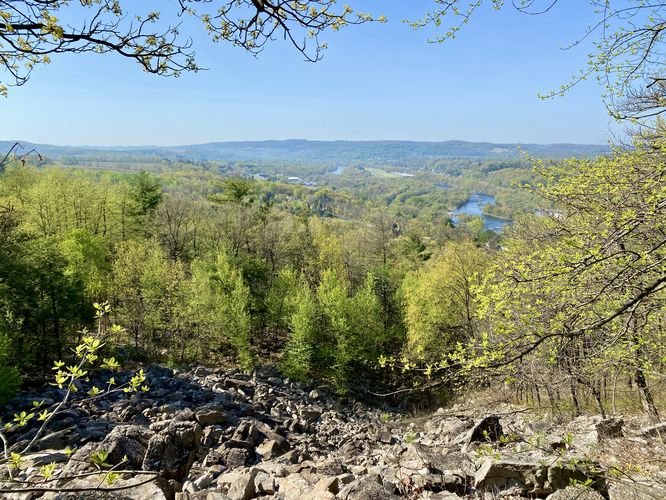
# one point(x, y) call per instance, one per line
point(31, 31)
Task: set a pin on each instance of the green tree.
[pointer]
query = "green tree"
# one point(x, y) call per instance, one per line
point(149, 289)
point(220, 302)
point(279, 304)
point(88, 257)
point(583, 289)
point(440, 303)
point(146, 192)
point(42, 305)
point(354, 333)
point(304, 330)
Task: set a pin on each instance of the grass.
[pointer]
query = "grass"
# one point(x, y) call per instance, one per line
point(378, 172)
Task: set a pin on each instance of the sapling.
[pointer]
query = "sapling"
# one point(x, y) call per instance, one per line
point(69, 378)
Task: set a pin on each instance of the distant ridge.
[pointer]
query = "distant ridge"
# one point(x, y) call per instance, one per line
point(301, 150)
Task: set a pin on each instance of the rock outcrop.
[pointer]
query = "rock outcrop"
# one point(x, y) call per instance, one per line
point(210, 434)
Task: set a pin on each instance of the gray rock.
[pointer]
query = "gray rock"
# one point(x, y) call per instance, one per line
point(531, 478)
point(560, 477)
point(172, 451)
point(575, 493)
point(495, 477)
point(204, 481)
point(44, 458)
point(314, 394)
point(326, 487)
point(129, 441)
point(212, 435)
point(94, 431)
point(269, 449)
point(209, 416)
point(236, 457)
point(246, 386)
point(202, 495)
point(657, 430)
point(488, 429)
point(293, 487)
point(268, 486)
point(366, 488)
point(157, 489)
point(384, 437)
point(309, 414)
point(625, 490)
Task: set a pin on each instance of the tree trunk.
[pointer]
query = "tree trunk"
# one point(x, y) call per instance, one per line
point(646, 395)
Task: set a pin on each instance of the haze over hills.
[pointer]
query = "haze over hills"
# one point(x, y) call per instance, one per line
point(321, 151)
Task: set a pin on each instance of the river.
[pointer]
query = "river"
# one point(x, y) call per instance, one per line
point(474, 206)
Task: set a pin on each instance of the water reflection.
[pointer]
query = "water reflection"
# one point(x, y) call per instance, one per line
point(474, 206)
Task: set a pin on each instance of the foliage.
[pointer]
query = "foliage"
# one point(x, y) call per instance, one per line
point(358, 272)
point(220, 299)
point(440, 304)
point(584, 288)
point(32, 31)
point(10, 383)
point(146, 192)
point(70, 379)
point(354, 333)
point(87, 258)
point(304, 325)
point(149, 288)
point(10, 380)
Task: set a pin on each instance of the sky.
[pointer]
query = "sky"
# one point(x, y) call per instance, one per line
point(376, 82)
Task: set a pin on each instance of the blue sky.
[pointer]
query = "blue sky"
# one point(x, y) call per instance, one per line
point(375, 82)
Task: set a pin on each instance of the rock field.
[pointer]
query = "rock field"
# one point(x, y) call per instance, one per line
point(218, 435)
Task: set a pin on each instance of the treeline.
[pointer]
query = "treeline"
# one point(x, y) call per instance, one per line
point(567, 311)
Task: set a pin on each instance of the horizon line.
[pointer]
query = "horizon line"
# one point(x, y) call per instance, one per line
point(230, 141)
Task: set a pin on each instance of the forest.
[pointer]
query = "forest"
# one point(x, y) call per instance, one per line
point(310, 319)
point(359, 280)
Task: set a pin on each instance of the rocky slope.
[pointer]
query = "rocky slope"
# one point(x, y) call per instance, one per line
point(226, 435)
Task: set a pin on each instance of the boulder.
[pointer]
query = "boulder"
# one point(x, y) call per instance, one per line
point(122, 489)
point(236, 457)
point(529, 477)
point(575, 493)
point(129, 441)
point(495, 477)
point(293, 487)
point(488, 429)
point(626, 490)
point(657, 430)
point(202, 495)
point(243, 488)
point(609, 428)
point(366, 488)
point(269, 449)
point(243, 385)
point(326, 488)
point(172, 451)
point(209, 416)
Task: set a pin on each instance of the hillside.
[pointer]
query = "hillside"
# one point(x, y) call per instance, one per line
point(223, 434)
point(319, 151)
